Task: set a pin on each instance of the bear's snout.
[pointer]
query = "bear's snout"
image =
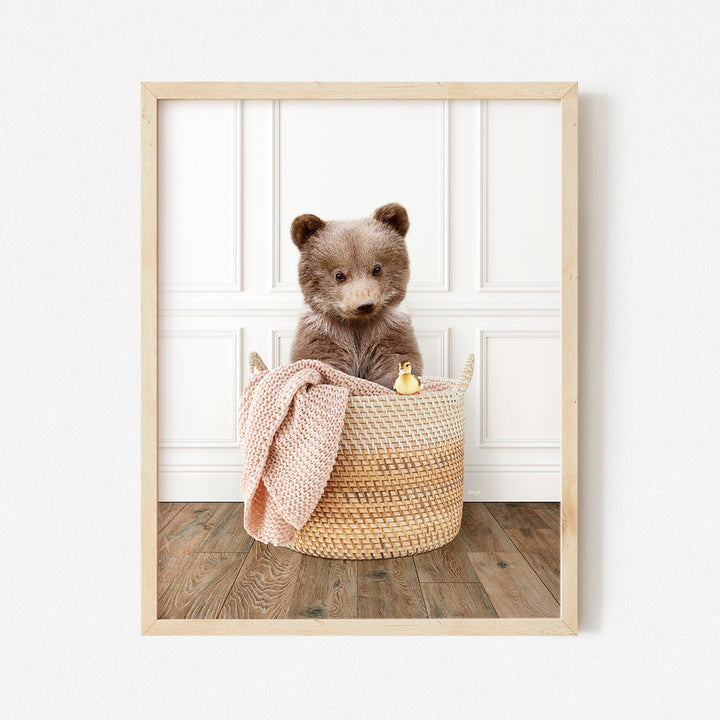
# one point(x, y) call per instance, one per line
point(360, 298)
point(365, 307)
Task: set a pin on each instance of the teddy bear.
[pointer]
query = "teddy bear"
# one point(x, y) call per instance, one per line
point(353, 275)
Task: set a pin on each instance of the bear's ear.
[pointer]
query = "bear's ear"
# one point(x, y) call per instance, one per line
point(304, 227)
point(395, 216)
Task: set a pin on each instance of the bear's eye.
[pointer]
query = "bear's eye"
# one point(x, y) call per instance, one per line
point(377, 270)
point(339, 277)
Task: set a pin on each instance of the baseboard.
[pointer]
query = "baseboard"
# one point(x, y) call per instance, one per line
point(512, 485)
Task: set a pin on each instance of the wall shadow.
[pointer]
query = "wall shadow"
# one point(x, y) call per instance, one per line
point(595, 167)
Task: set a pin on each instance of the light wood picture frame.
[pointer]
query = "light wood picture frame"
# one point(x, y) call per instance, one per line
point(566, 93)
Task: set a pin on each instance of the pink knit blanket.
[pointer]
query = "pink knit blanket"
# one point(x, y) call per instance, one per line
point(290, 424)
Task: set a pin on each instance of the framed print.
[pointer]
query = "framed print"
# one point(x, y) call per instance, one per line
point(477, 183)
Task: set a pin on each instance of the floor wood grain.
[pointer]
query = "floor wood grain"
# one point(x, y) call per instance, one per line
point(541, 549)
point(390, 588)
point(515, 515)
point(228, 532)
point(182, 536)
point(512, 585)
point(167, 511)
point(206, 581)
point(549, 513)
point(325, 588)
point(447, 564)
point(265, 585)
point(505, 562)
point(457, 600)
point(481, 531)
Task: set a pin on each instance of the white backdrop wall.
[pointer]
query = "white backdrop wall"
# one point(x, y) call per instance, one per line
point(481, 183)
point(649, 412)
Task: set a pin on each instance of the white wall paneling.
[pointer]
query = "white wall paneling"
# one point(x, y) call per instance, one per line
point(520, 385)
point(481, 184)
point(520, 144)
point(435, 350)
point(197, 483)
point(199, 388)
point(344, 159)
point(281, 340)
point(200, 172)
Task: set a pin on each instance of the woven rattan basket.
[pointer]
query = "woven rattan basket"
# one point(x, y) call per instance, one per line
point(397, 485)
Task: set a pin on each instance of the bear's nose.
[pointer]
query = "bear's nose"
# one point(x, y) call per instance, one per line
point(365, 306)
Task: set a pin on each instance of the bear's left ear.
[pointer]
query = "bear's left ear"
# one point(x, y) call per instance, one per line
point(304, 227)
point(395, 216)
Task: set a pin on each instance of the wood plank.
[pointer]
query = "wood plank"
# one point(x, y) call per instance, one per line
point(325, 589)
point(358, 90)
point(537, 540)
point(512, 585)
point(515, 515)
point(182, 536)
point(264, 587)
point(389, 588)
point(167, 511)
point(541, 548)
point(464, 600)
point(228, 532)
point(549, 513)
point(205, 582)
point(481, 532)
point(409, 626)
point(446, 564)
point(569, 321)
point(148, 357)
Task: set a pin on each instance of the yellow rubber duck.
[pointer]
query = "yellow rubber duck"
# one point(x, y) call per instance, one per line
point(406, 383)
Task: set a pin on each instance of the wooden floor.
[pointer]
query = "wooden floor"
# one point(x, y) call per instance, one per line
point(505, 562)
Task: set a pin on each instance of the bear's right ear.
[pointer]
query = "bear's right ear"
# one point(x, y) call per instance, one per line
point(304, 227)
point(395, 216)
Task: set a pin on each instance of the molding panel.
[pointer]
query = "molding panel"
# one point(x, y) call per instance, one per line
point(339, 160)
point(520, 400)
point(520, 201)
point(199, 200)
point(280, 346)
point(199, 389)
point(435, 351)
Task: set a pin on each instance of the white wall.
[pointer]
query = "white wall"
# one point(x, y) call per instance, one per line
point(481, 181)
point(69, 261)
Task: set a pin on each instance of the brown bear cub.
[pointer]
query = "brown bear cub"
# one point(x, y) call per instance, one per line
point(353, 275)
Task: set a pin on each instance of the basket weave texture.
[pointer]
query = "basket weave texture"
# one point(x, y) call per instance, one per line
point(397, 484)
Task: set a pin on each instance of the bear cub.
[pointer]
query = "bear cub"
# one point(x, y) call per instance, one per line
point(353, 275)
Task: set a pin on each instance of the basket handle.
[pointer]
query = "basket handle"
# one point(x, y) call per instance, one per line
point(461, 384)
point(256, 363)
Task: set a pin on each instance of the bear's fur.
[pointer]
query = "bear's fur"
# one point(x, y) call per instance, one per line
point(353, 275)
